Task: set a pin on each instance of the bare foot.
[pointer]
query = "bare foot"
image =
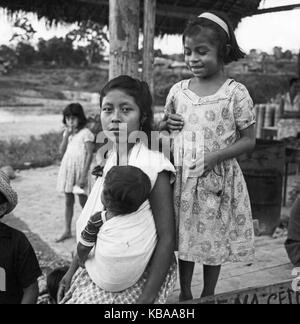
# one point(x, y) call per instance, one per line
point(185, 297)
point(64, 237)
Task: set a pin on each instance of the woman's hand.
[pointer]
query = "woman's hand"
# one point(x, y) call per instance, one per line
point(63, 287)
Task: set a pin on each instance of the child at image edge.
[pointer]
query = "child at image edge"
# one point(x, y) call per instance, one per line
point(19, 267)
point(212, 206)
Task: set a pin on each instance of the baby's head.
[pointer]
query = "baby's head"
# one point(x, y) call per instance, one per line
point(8, 197)
point(125, 189)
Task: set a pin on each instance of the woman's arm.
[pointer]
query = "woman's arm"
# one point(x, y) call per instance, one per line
point(245, 144)
point(89, 146)
point(65, 284)
point(161, 201)
point(30, 294)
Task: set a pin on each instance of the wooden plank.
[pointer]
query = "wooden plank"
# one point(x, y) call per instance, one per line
point(148, 45)
point(278, 294)
point(124, 36)
point(277, 9)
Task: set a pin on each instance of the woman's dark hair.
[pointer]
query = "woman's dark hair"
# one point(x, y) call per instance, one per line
point(76, 110)
point(140, 91)
point(53, 280)
point(126, 188)
point(220, 37)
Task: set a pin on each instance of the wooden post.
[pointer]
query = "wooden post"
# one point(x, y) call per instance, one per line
point(148, 46)
point(124, 37)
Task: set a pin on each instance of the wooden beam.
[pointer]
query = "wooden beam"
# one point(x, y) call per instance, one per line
point(277, 294)
point(124, 36)
point(162, 10)
point(277, 9)
point(148, 45)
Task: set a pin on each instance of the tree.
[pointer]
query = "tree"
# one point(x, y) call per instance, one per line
point(93, 36)
point(288, 55)
point(26, 53)
point(24, 30)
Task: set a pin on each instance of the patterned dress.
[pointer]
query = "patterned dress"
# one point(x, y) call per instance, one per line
point(73, 161)
point(213, 213)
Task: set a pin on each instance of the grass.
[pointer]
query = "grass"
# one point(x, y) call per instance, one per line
point(37, 152)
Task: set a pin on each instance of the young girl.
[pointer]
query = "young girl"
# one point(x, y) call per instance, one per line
point(211, 200)
point(76, 150)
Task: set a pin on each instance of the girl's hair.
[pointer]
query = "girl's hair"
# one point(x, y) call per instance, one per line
point(76, 110)
point(126, 188)
point(137, 89)
point(220, 37)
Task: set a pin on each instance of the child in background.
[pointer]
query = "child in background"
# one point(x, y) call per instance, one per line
point(76, 151)
point(19, 267)
point(212, 202)
point(126, 244)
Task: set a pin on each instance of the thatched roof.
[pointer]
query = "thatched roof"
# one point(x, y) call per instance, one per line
point(172, 15)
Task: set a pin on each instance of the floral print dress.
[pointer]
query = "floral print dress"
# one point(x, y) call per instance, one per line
point(213, 213)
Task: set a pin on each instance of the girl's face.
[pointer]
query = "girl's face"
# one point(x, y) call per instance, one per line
point(118, 107)
point(201, 56)
point(72, 122)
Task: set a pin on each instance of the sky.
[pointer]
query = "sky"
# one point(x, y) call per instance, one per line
point(262, 32)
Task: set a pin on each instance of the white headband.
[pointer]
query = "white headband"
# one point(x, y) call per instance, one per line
point(217, 20)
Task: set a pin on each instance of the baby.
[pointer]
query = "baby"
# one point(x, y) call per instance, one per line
point(125, 190)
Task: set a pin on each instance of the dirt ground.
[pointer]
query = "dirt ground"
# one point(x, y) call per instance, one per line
point(41, 207)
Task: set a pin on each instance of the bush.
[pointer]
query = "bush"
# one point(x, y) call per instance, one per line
point(262, 87)
point(37, 152)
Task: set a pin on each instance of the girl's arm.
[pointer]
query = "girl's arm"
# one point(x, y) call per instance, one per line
point(89, 147)
point(64, 144)
point(30, 294)
point(245, 144)
point(161, 201)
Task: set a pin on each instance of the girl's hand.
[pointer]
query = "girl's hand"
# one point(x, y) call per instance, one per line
point(202, 167)
point(67, 131)
point(210, 161)
point(64, 287)
point(82, 183)
point(175, 122)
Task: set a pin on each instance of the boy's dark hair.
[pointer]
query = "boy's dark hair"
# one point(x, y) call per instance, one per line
point(53, 280)
point(140, 91)
point(126, 188)
point(76, 110)
point(220, 37)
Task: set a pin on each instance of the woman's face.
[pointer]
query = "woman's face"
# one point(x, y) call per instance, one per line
point(119, 108)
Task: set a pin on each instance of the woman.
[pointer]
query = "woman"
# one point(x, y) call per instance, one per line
point(127, 101)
